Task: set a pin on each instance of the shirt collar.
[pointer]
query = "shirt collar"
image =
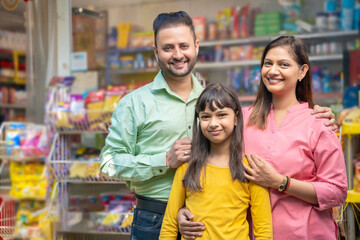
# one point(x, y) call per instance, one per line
point(160, 83)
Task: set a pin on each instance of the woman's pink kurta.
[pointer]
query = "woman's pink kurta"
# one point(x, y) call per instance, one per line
point(303, 148)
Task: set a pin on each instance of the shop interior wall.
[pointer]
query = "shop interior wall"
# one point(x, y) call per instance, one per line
point(144, 14)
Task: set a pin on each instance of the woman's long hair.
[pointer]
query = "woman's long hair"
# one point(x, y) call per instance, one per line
point(298, 50)
point(214, 96)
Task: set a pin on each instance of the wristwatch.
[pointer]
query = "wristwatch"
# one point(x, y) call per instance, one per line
point(283, 184)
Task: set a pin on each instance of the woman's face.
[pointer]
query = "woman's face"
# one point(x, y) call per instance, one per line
point(280, 72)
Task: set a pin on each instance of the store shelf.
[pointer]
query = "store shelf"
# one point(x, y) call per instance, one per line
point(134, 71)
point(330, 57)
point(219, 65)
point(94, 121)
point(256, 62)
point(353, 196)
point(266, 39)
point(93, 232)
point(351, 123)
point(107, 223)
point(12, 105)
point(327, 95)
point(131, 50)
point(74, 171)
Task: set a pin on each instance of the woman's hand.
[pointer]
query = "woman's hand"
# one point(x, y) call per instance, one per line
point(187, 228)
point(261, 172)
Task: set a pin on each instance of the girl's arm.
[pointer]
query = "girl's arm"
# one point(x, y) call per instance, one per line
point(169, 227)
point(261, 211)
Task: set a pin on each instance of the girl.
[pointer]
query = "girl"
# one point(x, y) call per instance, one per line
point(212, 185)
point(303, 161)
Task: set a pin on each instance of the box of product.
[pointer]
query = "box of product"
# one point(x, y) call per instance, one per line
point(223, 19)
point(200, 27)
point(123, 34)
point(142, 39)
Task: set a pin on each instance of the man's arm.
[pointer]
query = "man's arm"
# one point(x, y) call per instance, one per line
point(188, 228)
point(118, 158)
point(325, 112)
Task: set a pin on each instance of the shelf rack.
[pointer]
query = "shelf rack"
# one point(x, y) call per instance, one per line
point(84, 176)
point(265, 39)
point(351, 129)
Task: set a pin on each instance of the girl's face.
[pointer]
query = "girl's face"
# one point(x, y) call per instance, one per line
point(217, 126)
point(280, 72)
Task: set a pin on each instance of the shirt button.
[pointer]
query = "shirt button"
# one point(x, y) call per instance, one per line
point(189, 127)
point(160, 170)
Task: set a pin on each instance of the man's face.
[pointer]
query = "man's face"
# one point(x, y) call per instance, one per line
point(176, 51)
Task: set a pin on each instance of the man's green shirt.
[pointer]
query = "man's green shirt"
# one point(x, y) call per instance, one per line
point(144, 126)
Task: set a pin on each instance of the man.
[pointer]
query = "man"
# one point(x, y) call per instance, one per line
point(152, 126)
point(149, 120)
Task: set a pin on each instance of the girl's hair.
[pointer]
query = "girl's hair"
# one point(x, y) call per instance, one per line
point(214, 96)
point(298, 50)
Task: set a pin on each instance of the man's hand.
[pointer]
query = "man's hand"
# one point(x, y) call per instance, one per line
point(187, 228)
point(179, 152)
point(325, 112)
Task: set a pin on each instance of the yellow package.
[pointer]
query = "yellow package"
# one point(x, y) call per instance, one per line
point(78, 170)
point(123, 34)
point(63, 115)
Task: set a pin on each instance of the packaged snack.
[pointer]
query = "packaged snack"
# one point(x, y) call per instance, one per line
point(15, 136)
point(63, 115)
point(200, 27)
point(30, 145)
point(95, 105)
point(77, 109)
point(223, 20)
point(113, 96)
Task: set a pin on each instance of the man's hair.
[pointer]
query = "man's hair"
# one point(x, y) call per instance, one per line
point(165, 20)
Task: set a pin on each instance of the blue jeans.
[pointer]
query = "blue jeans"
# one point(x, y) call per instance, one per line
point(146, 225)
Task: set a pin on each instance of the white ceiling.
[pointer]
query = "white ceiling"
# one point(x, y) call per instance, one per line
point(106, 4)
point(15, 20)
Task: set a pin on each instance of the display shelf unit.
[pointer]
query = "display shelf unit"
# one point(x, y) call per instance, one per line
point(351, 130)
point(13, 105)
point(12, 80)
point(256, 62)
point(12, 195)
point(83, 177)
point(266, 39)
point(341, 36)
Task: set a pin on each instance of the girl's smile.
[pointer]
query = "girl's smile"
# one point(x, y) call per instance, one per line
point(218, 125)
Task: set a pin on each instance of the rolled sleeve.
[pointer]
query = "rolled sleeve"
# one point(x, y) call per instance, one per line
point(331, 183)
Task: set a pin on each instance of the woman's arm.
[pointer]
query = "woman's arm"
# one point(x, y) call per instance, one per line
point(262, 173)
point(169, 227)
point(331, 182)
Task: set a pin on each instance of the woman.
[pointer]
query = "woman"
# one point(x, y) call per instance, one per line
point(302, 161)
